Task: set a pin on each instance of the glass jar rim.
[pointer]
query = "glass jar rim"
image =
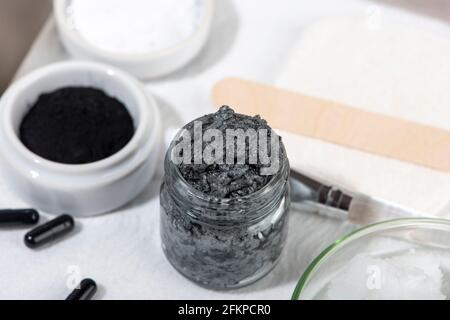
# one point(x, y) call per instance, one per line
point(228, 203)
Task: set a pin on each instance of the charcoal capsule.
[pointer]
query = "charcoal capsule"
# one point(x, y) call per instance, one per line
point(49, 231)
point(85, 290)
point(18, 217)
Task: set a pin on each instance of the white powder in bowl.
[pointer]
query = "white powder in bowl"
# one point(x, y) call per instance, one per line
point(135, 26)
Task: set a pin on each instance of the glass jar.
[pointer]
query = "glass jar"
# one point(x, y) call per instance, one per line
point(223, 243)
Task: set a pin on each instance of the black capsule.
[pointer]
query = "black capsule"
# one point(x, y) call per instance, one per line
point(85, 290)
point(49, 231)
point(18, 217)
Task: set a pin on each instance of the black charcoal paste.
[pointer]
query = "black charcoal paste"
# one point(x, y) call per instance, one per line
point(234, 253)
point(76, 125)
point(226, 180)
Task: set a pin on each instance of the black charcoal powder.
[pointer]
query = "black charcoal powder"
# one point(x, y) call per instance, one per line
point(76, 125)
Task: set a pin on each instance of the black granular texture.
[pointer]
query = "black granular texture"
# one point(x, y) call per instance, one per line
point(227, 180)
point(229, 243)
point(76, 125)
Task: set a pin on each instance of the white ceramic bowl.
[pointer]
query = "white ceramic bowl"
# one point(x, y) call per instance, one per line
point(144, 66)
point(87, 189)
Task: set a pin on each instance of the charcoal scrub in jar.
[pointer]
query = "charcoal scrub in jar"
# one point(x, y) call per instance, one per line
point(224, 200)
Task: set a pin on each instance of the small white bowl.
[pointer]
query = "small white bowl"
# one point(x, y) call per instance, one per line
point(144, 66)
point(86, 189)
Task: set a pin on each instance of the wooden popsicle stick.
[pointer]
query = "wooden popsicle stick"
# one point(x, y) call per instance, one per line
point(336, 123)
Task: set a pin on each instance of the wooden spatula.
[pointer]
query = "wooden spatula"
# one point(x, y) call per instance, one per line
point(336, 123)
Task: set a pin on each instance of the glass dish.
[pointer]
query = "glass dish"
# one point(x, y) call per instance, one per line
point(385, 241)
point(223, 243)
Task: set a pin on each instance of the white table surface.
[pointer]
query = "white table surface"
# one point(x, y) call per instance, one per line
point(121, 250)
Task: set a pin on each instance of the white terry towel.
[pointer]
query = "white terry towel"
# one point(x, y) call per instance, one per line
point(381, 66)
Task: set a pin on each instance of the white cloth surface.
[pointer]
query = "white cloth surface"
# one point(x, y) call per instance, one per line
point(121, 251)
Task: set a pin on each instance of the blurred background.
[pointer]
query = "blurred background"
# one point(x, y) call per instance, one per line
point(21, 20)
